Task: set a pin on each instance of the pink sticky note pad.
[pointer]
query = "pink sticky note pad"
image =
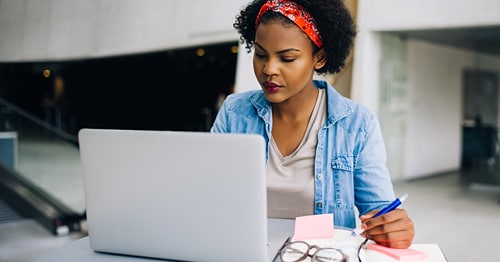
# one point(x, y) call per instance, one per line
point(399, 254)
point(313, 227)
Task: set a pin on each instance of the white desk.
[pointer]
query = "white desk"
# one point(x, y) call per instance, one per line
point(79, 250)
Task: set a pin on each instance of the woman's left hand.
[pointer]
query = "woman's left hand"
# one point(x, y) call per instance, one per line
point(393, 229)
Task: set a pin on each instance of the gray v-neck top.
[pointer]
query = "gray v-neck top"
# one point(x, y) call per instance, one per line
point(290, 179)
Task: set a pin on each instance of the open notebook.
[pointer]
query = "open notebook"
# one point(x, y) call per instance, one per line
point(176, 195)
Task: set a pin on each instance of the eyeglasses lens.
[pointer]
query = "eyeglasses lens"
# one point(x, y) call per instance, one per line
point(328, 255)
point(299, 251)
point(295, 252)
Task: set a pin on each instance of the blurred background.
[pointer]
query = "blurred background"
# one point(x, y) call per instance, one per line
point(429, 69)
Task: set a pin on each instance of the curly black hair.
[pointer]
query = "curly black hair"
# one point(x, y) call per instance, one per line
point(333, 19)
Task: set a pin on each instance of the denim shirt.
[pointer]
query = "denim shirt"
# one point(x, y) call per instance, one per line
point(350, 163)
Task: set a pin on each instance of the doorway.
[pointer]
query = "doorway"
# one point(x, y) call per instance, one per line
point(480, 126)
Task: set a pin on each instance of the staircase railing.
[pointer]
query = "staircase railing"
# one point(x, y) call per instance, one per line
point(43, 180)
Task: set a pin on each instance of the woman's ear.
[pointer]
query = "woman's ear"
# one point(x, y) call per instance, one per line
point(320, 59)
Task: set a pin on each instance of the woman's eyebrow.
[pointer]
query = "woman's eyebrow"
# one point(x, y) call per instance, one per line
point(279, 52)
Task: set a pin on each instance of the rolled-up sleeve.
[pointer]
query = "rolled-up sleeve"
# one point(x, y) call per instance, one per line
point(372, 181)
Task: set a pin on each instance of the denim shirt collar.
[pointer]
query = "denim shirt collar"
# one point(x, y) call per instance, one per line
point(338, 106)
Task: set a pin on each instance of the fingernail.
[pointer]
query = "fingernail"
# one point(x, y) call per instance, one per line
point(363, 226)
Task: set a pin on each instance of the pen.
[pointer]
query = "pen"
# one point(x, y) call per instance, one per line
point(397, 202)
point(393, 205)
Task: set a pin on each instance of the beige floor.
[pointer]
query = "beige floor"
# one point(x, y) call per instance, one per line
point(462, 220)
point(23, 240)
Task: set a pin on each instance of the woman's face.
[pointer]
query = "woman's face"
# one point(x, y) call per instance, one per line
point(283, 61)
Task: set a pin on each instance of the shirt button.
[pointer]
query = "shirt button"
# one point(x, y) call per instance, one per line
point(319, 176)
point(319, 205)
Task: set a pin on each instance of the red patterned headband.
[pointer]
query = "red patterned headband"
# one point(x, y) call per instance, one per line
point(296, 14)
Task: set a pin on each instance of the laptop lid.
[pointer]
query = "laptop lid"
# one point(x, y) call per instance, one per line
point(177, 195)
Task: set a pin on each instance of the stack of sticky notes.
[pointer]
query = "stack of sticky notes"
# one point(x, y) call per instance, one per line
point(399, 254)
point(313, 227)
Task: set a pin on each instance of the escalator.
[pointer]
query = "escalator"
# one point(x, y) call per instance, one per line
point(40, 175)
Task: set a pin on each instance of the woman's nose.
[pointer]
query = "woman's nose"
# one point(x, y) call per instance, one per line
point(271, 67)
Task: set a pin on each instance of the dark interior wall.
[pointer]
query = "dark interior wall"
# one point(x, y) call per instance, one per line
point(20, 85)
point(169, 90)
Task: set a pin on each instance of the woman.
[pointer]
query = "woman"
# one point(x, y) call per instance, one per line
point(325, 153)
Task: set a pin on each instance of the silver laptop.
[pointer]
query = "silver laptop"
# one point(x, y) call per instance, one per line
point(188, 196)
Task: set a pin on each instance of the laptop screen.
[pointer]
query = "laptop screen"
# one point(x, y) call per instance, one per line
point(175, 195)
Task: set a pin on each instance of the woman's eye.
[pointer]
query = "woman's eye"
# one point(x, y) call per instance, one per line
point(287, 59)
point(260, 55)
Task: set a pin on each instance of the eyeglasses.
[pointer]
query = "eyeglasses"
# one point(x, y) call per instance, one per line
point(359, 249)
point(299, 250)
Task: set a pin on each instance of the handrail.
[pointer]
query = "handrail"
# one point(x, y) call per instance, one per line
point(66, 136)
point(31, 201)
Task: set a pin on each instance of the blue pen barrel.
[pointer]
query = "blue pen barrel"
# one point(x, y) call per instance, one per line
point(397, 202)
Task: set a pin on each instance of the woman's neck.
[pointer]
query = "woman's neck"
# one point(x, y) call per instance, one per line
point(298, 107)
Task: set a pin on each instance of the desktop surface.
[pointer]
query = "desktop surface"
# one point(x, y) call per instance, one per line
point(279, 230)
point(80, 250)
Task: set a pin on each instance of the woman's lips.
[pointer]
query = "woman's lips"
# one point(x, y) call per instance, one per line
point(270, 87)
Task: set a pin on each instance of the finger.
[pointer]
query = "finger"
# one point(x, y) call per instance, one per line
point(388, 218)
point(402, 244)
point(368, 215)
point(397, 234)
point(400, 239)
point(383, 233)
point(393, 226)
